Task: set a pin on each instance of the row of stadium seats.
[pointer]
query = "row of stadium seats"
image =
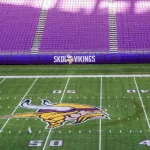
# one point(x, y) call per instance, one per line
point(17, 27)
point(68, 31)
point(75, 32)
point(134, 29)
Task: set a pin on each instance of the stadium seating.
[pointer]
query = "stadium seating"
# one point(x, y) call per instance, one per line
point(76, 32)
point(17, 28)
point(133, 28)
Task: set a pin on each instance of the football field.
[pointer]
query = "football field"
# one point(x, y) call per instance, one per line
point(126, 98)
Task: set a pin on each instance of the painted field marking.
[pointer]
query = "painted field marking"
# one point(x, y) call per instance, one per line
point(100, 122)
point(2, 81)
point(60, 102)
point(74, 76)
point(18, 104)
point(142, 103)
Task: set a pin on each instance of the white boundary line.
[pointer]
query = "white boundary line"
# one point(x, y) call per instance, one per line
point(100, 122)
point(2, 81)
point(142, 103)
point(77, 76)
point(60, 102)
point(18, 105)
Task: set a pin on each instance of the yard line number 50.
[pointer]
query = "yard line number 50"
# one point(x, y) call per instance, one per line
point(52, 143)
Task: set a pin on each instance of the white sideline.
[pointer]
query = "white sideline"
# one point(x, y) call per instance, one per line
point(18, 105)
point(100, 123)
point(77, 76)
point(60, 102)
point(142, 103)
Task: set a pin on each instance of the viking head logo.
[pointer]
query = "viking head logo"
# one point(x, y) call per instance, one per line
point(56, 115)
point(69, 59)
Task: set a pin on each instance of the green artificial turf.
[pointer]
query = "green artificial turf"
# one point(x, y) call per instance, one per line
point(74, 69)
point(126, 128)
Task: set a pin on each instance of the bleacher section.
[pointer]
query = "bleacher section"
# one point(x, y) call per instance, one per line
point(76, 31)
point(79, 26)
point(18, 25)
point(133, 27)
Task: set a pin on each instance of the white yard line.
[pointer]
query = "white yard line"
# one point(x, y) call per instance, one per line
point(18, 105)
point(100, 123)
point(60, 102)
point(2, 81)
point(77, 76)
point(142, 103)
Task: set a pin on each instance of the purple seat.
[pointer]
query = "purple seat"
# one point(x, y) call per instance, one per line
point(17, 28)
point(133, 30)
point(76, 31)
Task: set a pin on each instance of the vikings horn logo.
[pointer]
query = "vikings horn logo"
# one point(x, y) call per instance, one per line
point(69, 59)
point(56, 115)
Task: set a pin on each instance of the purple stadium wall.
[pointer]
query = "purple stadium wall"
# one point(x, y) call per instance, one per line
point(75, 59)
